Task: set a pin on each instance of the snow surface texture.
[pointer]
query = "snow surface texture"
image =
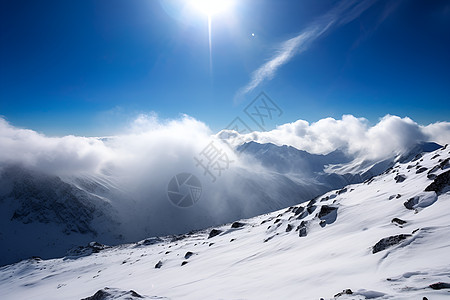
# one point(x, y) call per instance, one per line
point(365, 241)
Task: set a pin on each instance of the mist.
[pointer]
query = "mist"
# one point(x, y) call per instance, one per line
point(135, 166)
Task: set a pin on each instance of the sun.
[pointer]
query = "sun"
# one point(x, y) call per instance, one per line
point(212, 7)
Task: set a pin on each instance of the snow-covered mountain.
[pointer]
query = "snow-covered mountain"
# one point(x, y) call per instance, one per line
point(55, 213)
point(386, 238)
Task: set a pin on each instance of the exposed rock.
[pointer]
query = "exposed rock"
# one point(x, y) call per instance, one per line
point(288, 228)
point(311, 209)
point(237, 225)
point(344, 292)
point(150, 241)
point(439, 183)
point(399, 178)
point(92, 247)
point(389, 241)
point(398, 221)
point(188, 254)
point(214, 232)
point(324, 199)
point(434, 169)
point(440, 285)
point(431, 176)
point(341, 191)
point(158, 265)
point(109, 294)
point(298, 210)
point(422, 200)
point(183, 263)
point(302, 215)
point(312, 202)
point(325, 210)
point(302, 229)
point(421, 170)
point(444, 163)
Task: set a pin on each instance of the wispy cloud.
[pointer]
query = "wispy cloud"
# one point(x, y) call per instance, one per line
point(343, 13)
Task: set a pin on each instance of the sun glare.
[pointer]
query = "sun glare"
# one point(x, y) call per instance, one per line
point(212, 7)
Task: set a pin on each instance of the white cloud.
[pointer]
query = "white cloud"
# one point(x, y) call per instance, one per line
point(344, 12)
point(141, 162)
point(389, 136)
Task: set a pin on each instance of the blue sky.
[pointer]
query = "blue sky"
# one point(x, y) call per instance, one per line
point(89, 67)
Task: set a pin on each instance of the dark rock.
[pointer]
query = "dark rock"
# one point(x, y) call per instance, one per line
point(324, 199)
point(188, 254)
point(298, 210)
point(311, 209)
point(399, 178)
point(151, 241)
point(421, 170)
point(302, 229)
point(237, 225)
point(288, 228)
point(327, 215)
point(344, 292)
point(439, 183)
point(444, 163)
point(302, 215)
point(108, 293)
point(398, 221)
point(266, 220)
point(437, 155)
point(431, 176)
point(276, 221)
point(302, 232)
point(214, 232)
point(388, 242)
point(183, 263)
point(312, 202)
point(341, 191)
point(398, 196)
point(325, 210)
point(158, 265)
point(411, 202)
point(269, 238)
point(440, 285)
point(434, 169)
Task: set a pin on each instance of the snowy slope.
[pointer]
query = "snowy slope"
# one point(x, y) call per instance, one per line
point(387, 238)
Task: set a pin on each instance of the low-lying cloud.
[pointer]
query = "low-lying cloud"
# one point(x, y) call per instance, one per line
point(137, 165)
point(390, 136)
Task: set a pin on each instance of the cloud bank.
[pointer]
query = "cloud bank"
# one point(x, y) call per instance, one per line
point(343, 13)
point(136, 166)
point(390, 136)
